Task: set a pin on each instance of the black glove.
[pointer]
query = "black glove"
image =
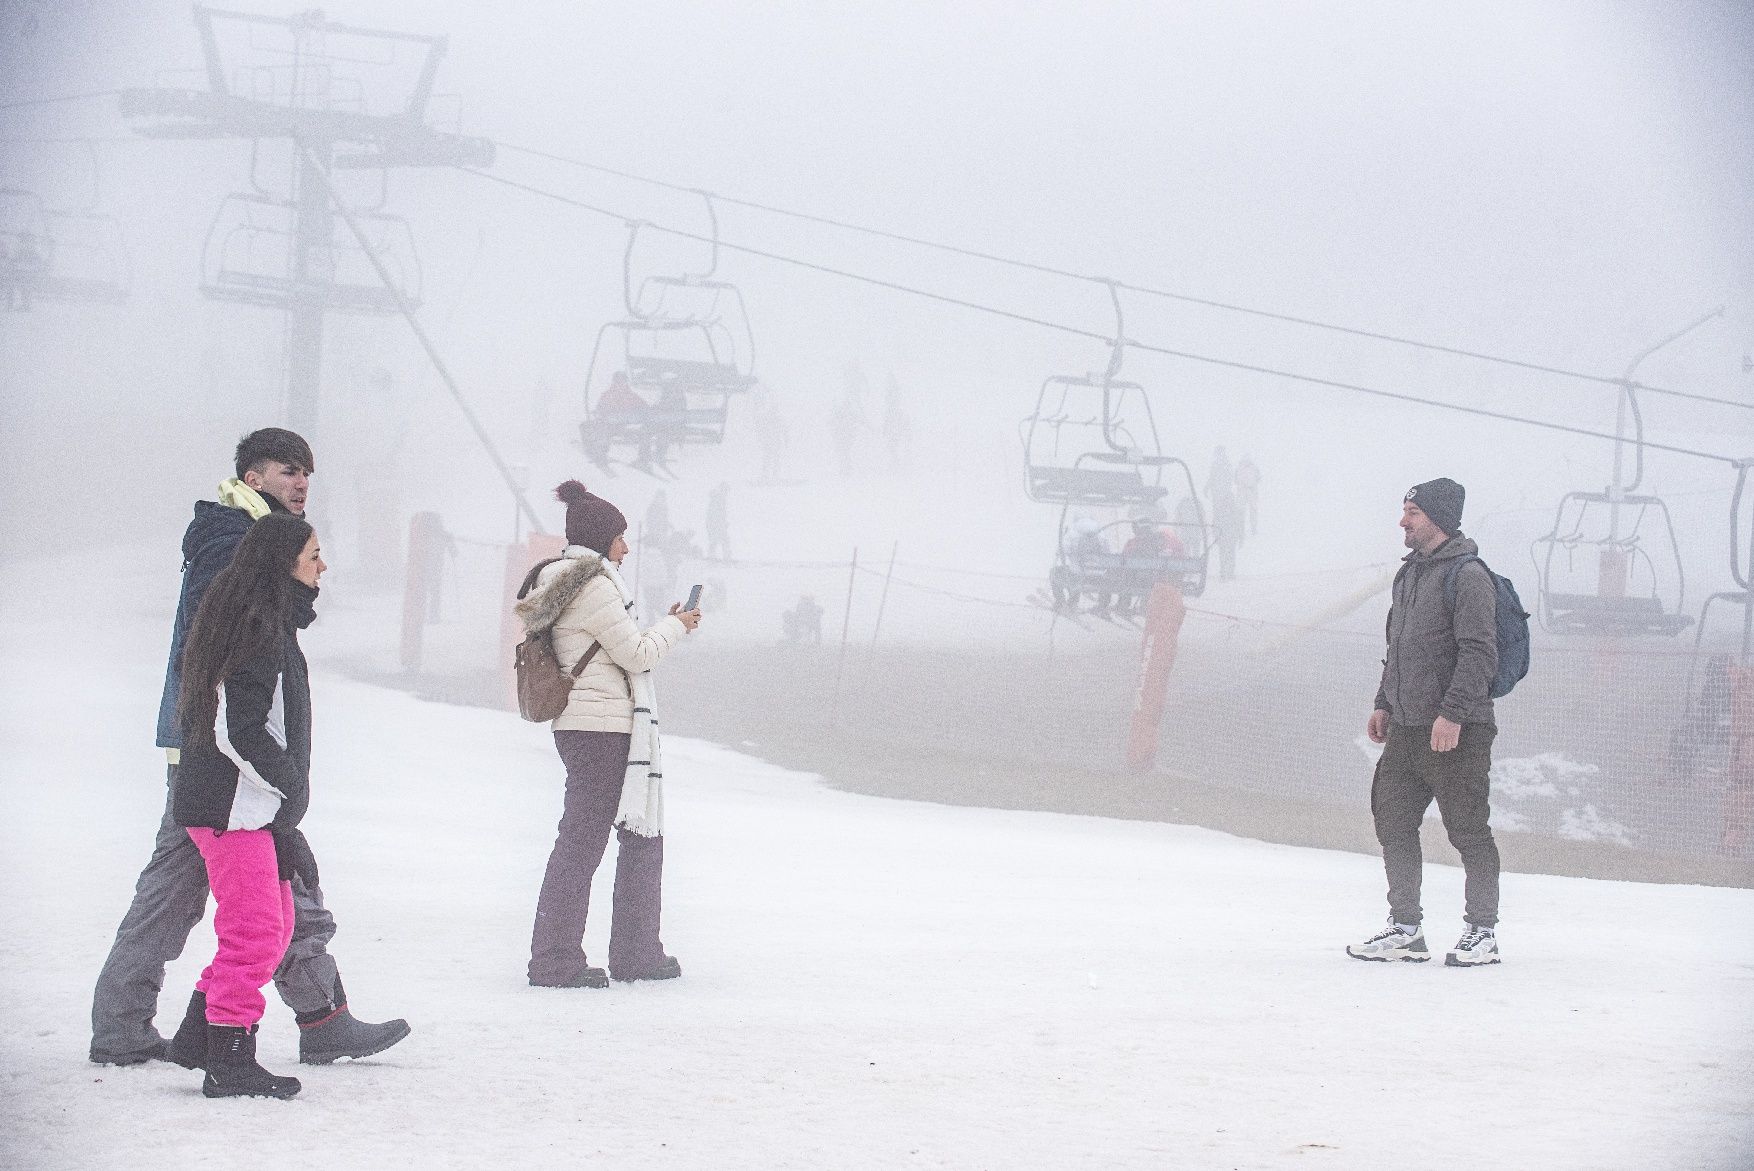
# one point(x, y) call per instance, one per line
point(295, 857)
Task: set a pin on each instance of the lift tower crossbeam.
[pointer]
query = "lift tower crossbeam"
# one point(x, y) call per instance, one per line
point(324, 135)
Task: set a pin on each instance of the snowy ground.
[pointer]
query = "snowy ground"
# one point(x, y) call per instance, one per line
point(868, 982)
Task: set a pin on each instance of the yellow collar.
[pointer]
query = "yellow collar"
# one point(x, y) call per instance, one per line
point(235, 493)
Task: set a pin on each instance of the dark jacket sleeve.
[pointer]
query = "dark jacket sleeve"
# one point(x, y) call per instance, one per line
point(213, 555)
point(1382, 685)
point(249, 704)
point(1476, 631)
point(1388, 629)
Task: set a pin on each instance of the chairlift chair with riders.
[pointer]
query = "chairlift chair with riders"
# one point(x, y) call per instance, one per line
point(1700, 743)
point(1126, 557)
point(1114, 469)
point(52, 255)
point(1741, 571)
point(682, 352)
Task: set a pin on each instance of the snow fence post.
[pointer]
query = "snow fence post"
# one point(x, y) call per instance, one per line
point(1738, 806)
point(846, 624)
point(1163, 622)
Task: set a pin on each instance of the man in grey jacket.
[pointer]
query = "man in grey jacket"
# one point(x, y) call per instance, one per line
point(1434, 718)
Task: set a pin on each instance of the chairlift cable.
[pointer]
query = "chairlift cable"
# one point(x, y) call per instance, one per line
point(420, 334)
point(1167, 294)
point(102, 93)
point(1078, 331)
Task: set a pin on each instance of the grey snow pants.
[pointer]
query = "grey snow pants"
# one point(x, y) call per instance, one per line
point(170, 898)
point(596, 763)
point(1408, 776)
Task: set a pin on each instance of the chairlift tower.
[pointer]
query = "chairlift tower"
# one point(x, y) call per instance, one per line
point(287, 78)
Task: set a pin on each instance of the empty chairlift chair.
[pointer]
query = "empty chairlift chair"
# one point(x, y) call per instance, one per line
point(1611, 567)
point(1071, 454)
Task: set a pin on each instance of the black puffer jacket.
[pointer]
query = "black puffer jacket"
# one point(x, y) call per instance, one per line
point(262, 739)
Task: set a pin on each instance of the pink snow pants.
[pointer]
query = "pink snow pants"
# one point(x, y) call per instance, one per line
point(253, 920)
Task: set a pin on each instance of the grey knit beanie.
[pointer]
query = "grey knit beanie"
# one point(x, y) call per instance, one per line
point(1441, 500)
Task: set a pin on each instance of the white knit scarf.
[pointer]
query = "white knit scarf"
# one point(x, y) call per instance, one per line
point(642, 789)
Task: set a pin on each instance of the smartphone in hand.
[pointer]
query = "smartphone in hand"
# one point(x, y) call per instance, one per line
point(693, 599)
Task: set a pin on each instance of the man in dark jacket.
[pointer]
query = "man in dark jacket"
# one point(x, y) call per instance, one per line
point(1434, 718)
point(273, 474)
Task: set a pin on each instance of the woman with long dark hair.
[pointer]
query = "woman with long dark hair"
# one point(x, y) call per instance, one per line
point(243, 785)
point(608, 740)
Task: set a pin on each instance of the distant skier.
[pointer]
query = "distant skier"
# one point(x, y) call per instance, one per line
point(1226, 516)
point(27, 268)
point(847, 422)
point(803, 622)
point(1248, 494)
point(1434, 718)
point(772, 433)
point(656, 529)
point(898, 430)
point(718, 535)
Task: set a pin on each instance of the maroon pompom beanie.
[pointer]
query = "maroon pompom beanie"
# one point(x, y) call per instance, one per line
point(591, 521)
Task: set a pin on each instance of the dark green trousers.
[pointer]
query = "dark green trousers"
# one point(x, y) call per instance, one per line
point(1408, 777)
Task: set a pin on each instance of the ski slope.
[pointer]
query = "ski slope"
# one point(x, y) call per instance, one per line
point(868, 983)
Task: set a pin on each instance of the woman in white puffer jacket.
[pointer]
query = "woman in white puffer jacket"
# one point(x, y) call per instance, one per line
point(607, 738)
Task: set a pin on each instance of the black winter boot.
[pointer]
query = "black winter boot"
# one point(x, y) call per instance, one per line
point(232, 1071)
point(188, 1045)
point(338, 1033)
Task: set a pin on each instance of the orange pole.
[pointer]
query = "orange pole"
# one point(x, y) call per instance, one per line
point(1164, 613)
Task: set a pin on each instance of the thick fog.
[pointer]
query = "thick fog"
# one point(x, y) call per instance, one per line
point(1566, 184)
point(1356, 245)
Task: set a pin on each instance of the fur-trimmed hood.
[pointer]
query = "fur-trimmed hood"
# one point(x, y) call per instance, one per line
point(557, 586)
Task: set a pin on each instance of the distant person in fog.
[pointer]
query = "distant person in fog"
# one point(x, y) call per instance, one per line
point(803, 622)
point(718, 523)
point(656, 528)
point(1226, 516)
point(608, 741)
point(1248, 494)
point(898, 429)
point(771, 432)
point(847, 423)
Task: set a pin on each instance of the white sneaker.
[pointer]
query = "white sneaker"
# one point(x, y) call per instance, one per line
point(1478, 945)
point(1392, 943)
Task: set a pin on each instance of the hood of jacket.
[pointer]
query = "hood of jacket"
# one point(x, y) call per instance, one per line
point(238, 507)
point(557, 586)
point(210, 521)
